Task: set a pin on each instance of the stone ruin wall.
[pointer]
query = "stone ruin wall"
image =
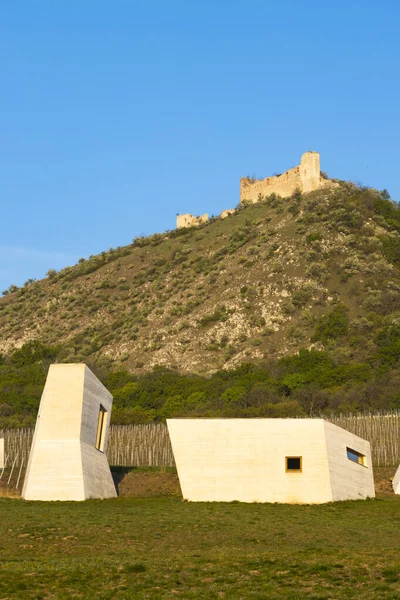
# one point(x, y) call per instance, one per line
point(306, 177)
point(227, 212)
point(282, 185)
point(188, 220)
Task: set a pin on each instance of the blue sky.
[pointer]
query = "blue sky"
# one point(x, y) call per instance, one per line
point(115, 115)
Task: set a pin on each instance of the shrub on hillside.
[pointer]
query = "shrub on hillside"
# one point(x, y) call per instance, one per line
point(391, 248)
point(388, 342)
point(332, 326)
point(313, 237)
point(33, 352)
point(220, 314)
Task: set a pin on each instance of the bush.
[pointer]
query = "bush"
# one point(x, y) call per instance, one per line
point(391, 248)
point(387, 209)
point(332, 326)
point(313, 237)
point(288, 307)
point(33, 352)
point(301, 297)
point(220, 314)
point(318, 271)
point(388, 341)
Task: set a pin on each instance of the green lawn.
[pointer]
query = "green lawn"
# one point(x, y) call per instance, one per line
point(166, 548)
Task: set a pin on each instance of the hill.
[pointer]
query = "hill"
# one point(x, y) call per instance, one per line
point(318, 272)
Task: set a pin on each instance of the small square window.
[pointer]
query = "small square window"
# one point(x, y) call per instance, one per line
point(356, 457)
point(294, 464)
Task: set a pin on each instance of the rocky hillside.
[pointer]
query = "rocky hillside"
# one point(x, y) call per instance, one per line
point(315, 271)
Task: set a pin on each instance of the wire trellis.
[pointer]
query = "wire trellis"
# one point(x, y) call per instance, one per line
point(149, 445)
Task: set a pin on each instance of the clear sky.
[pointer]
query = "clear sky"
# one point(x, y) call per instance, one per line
point(117, 114)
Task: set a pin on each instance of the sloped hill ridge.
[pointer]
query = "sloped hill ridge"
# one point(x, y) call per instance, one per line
point(316, 270)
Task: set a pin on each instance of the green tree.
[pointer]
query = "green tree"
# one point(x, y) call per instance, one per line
point(33, 352)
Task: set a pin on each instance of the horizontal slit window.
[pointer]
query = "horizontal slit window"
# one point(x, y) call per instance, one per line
point(356, 457)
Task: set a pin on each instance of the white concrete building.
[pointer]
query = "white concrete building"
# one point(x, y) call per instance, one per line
point(396, 482)
point(68, 456)
point(270, 460)
point(1, 451)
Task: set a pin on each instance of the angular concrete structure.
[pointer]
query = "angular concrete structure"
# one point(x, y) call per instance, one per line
point(270, 460)
point(396, 482)
point(68, 456)
point(1, 451)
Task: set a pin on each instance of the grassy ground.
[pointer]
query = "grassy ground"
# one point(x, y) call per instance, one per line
point(165, 548)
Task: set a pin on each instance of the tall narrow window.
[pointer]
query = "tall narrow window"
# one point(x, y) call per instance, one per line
point(356, 457)
point(101, 428)
point(294, 464)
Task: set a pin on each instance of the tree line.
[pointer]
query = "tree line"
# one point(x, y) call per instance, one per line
point(308, 383)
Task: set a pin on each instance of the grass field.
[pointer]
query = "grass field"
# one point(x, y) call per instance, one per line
point(165, 548)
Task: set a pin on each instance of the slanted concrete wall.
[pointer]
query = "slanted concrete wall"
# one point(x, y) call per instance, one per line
point(188, 220)
point(96, 473)
point(245, 460)
point(349, 480)
point(396, 481)
point(64, 463)
point(305, 177)
point(1, 452)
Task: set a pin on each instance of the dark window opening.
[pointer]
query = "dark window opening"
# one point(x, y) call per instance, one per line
point(293, 463)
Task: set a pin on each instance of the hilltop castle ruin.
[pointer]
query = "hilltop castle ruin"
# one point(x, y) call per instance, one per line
point(189, 220)
point(306, 177)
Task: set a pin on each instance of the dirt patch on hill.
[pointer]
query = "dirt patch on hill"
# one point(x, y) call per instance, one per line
point(144, 484)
